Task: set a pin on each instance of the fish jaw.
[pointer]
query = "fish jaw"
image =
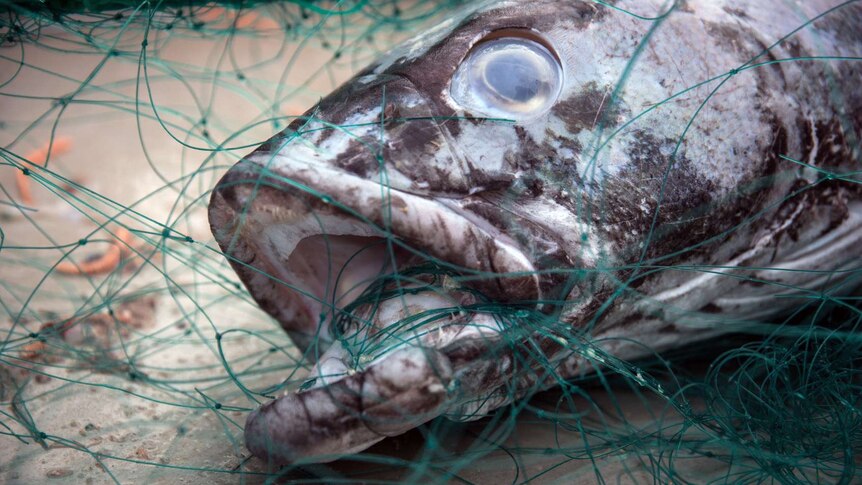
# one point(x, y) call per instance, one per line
point(349, 415)
point(308, 235)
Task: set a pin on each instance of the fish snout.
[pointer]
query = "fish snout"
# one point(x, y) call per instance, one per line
point(380, 128)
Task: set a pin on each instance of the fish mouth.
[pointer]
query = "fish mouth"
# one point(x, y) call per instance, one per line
point(314, 226)
point(308, 239)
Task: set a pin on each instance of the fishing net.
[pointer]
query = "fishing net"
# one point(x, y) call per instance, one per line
point(131, 352)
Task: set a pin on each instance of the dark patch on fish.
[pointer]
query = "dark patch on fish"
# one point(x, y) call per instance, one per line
point(844, 23)
point(544, 160)
point(740, 14)
point(357, 161)
point(631, 200)
point(590, 107)
point(793, 46)
point(730, 35)
point(269, 146)
point(832, 150)
point(710, 308)
point(413, 142)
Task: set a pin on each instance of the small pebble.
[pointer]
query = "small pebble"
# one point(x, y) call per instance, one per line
point(59, 473)
point(121, 438)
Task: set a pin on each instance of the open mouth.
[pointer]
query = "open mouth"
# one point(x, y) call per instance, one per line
point(330, 272)
point(313, 244)
point(306, 256)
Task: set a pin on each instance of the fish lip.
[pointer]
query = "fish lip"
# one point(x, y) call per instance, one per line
point(264, 191)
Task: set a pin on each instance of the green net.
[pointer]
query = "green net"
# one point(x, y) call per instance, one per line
point(132, 353)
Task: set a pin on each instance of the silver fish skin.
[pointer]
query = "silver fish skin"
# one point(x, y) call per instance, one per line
point(696, 168)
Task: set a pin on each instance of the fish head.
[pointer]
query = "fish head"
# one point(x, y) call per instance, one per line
point(434, 150)
point(530, 155)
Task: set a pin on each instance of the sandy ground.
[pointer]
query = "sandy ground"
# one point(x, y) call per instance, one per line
point(157, 405)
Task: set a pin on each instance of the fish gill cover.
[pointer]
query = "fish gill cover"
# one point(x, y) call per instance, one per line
point(133, 353)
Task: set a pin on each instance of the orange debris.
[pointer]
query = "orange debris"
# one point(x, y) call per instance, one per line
point(60, 146)
point(33, 350)
point(107, 262)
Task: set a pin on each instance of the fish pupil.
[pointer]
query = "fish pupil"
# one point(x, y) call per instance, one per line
point(511, 79)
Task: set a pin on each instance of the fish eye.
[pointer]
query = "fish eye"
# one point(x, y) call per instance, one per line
point(508, 76)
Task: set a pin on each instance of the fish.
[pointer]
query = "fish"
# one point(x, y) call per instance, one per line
point(534, 189)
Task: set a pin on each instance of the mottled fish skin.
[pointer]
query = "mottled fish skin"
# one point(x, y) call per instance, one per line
point(665, 148)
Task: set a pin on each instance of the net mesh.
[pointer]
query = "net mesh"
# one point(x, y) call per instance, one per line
point(131, 352)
